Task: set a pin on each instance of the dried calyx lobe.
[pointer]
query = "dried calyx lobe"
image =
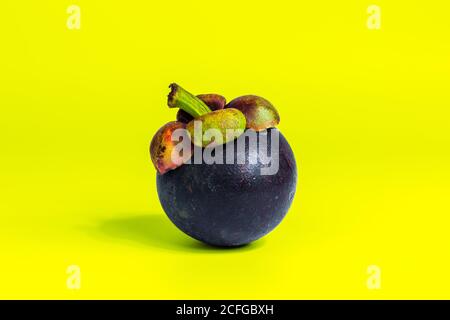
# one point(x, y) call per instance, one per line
point(259, 113)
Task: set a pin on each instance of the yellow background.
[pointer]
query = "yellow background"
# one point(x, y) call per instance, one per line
point(366, 112)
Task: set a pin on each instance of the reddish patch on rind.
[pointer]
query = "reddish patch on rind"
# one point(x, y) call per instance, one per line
point(162, 146)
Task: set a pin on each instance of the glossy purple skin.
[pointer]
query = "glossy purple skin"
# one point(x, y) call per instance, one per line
point(229, 205)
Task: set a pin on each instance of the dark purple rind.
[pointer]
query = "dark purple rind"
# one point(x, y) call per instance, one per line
point(229, 205)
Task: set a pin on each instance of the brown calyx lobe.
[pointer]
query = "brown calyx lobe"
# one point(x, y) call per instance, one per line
point(259, 112)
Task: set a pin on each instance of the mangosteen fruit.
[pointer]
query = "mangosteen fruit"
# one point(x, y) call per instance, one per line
point(224, 189)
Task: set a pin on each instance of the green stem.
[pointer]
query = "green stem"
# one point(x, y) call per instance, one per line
point(180, 98)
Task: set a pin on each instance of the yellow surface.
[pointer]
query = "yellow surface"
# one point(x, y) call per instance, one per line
point(366, 112)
